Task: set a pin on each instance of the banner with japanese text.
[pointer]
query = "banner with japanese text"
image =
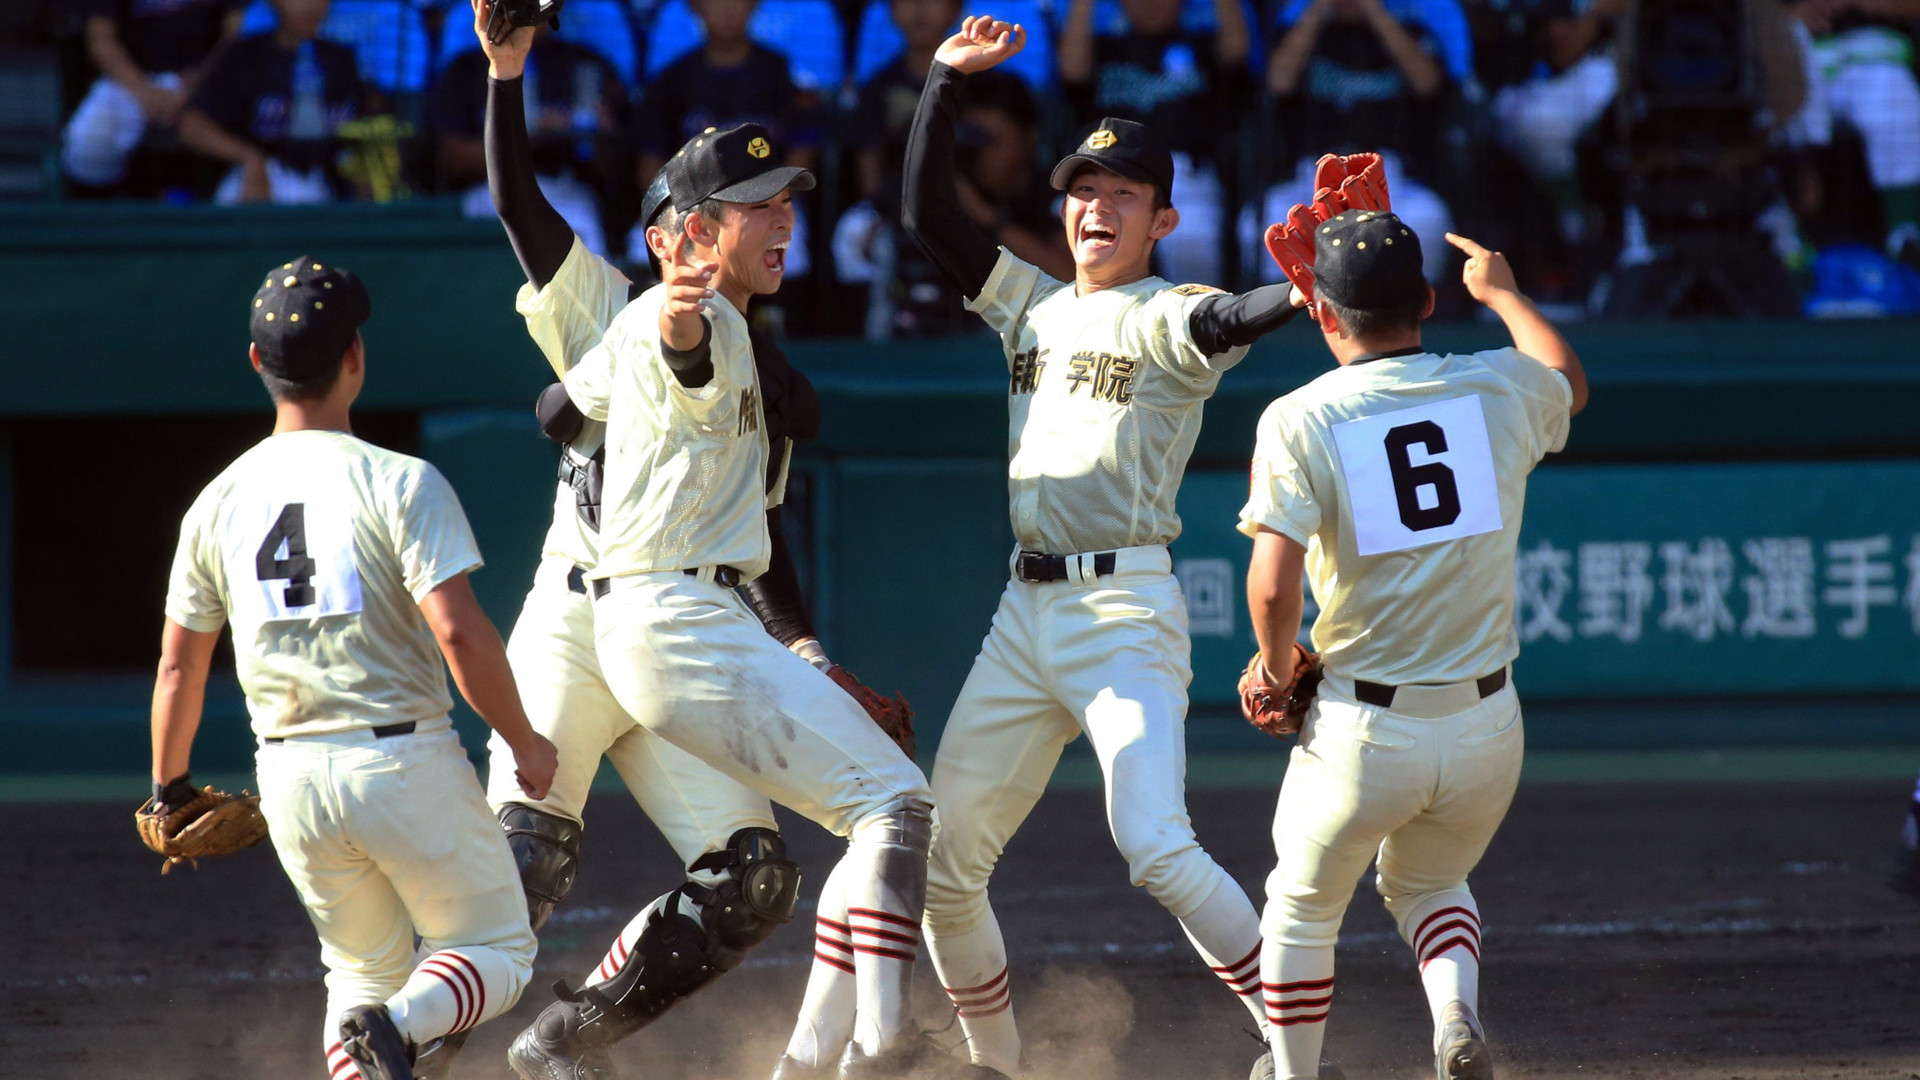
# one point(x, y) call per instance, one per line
point(1656, 580)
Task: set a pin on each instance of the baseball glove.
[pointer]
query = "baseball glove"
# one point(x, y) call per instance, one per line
point(1352, 182)
point(893, 715)
point(1279, 710)
point(510, 15)
point(205, 824)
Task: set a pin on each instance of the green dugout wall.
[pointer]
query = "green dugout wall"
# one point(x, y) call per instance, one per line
point(1729, 550)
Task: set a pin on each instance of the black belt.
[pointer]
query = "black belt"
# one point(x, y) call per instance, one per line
point(1035, 568)
point(384, 731)
point(1380, 694)
point(577, 581)
point(724, 576)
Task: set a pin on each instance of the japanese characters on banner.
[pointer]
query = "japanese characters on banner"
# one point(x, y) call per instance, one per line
point(1656, 580)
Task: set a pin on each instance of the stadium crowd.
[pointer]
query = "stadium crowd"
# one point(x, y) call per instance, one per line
point(1635, 157)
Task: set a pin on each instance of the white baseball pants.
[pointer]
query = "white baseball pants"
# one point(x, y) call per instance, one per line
point(385, 839)
point(106, 127)
point(695, 806)
point(1110, 657)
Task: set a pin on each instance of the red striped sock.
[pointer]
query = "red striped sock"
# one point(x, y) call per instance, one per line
point(883, 934)
point(990, 998)
point(339, 1065)
point(832, 945)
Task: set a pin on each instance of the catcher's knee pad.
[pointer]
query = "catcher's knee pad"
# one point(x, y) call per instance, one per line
point(546, 850)
point(691, 936)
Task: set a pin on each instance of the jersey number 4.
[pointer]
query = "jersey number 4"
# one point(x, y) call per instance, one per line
point(298, 568)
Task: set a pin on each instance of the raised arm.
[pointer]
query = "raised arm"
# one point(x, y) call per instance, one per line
point(541, 238)
point(1076, 44)
point(478, 661)
point(930, 208)
point(1490, 280)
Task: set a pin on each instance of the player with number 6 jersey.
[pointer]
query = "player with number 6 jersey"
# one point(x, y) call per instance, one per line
point(342, 569)
point(1395, 484)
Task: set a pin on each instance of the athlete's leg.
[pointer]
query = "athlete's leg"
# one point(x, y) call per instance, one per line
point(826, 1013)
point(694, 666)
point(1355, 776)
point(1000, 745)
point(1424, 863)
point(1121, 658)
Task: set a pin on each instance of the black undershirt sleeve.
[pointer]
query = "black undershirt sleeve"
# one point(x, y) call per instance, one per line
point(693, 368)
point(929, 203)
point(541, 237)
point(1225, 322)
point(775, 595)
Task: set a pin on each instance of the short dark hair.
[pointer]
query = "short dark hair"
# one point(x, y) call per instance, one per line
point(312, 388)
point(1381, 321)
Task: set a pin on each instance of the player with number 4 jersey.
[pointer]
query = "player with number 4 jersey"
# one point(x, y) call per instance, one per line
point(1395, 484)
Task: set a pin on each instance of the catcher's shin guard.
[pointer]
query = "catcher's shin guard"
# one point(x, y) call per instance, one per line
point(546, 850)
point(689, 938)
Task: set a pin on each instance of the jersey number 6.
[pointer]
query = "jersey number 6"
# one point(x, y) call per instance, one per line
point(1409, 478)
point(297, 568)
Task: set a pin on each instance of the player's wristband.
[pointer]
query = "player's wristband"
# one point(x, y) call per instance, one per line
point(810, 650)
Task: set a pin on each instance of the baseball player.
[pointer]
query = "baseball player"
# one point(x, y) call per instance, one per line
point(683, 519)
point(1902, 871)
point(1107, 378)
point(714, 822)
point(340, 567)
point(1395, 484)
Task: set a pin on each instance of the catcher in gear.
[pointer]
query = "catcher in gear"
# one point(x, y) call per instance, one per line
point(187, 824)
point(1395, 483)
point(723, 831)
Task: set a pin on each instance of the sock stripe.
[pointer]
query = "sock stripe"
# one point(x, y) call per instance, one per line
point(458, 990)
point(1427, 937)
point(883, 916)
point(970, 990)
point(1239, 966)
point(891, 954)
point(479, 985)
point(1302, 1003)
point(843, 946)
point(1420, 933)
point(1310, 984)
point(1289, 1021)
point(974, 1001)
point(1457, 941)
point(339, 1065)
point(834, 962)
point(460, 975)
point(842, 928)
point(887, 935)
point(980, 1014)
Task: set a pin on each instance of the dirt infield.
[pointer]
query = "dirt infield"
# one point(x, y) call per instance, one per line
point(1655, 931)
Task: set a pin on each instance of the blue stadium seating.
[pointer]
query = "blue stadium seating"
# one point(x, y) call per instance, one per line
point(879, 41)
point(606, 26)
point(389, 39)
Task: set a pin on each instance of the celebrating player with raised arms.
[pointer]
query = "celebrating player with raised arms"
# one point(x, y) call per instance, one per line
point(341, 567)
point(1395, 483)
point(1107, 377)
point(682, 521)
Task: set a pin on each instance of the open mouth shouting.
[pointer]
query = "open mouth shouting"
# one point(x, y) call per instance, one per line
point(1095, 236)
point(775, 257)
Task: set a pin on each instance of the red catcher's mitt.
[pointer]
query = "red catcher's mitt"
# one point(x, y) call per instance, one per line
point(214, 823)
point(1352, 182)
point(1279, 710)
point(892, 714)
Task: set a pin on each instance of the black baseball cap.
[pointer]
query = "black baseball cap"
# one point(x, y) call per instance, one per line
point(1122, 146)
point(657, 194)
point(1367, 259)
point(305, 316)
point(738, 165)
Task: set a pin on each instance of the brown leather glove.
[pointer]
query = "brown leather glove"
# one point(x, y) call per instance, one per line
point(892, 714)
point(1280, 709)
point(1352, 182)
point(212, 823)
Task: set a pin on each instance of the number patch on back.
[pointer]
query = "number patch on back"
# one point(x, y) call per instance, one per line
point(291, 561)
point(1419, 476)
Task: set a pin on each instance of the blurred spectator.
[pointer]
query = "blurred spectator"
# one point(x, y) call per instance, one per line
point(271, 106)
point(806, 32)
point(390, 41)
point(150, 54)
point(1509, 44)
point(878, 138)
point(577, 120)
point(1863, 75)
point(1179, 81)
point(878, 40)
point(1000, 186)
point(728, 81)
point(1352, 76)
point(1541, 120)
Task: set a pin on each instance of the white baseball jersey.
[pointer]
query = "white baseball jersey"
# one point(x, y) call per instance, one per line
point(686, 466)
point(1404, 478)
point(317, 548)
point(1105, 393)
point(566, 318)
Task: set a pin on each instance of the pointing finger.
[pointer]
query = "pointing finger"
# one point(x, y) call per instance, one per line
point(1472, 248)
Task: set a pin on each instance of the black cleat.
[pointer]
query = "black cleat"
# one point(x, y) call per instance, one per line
point(368, 1036)
point(1462, 1046)
point(550, 1049)
point(434, 1061)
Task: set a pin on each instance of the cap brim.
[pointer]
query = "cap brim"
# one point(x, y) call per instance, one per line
point(758, 189)
point(1063, 172)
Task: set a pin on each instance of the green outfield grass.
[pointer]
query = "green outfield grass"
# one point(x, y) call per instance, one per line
point(1078, 770)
